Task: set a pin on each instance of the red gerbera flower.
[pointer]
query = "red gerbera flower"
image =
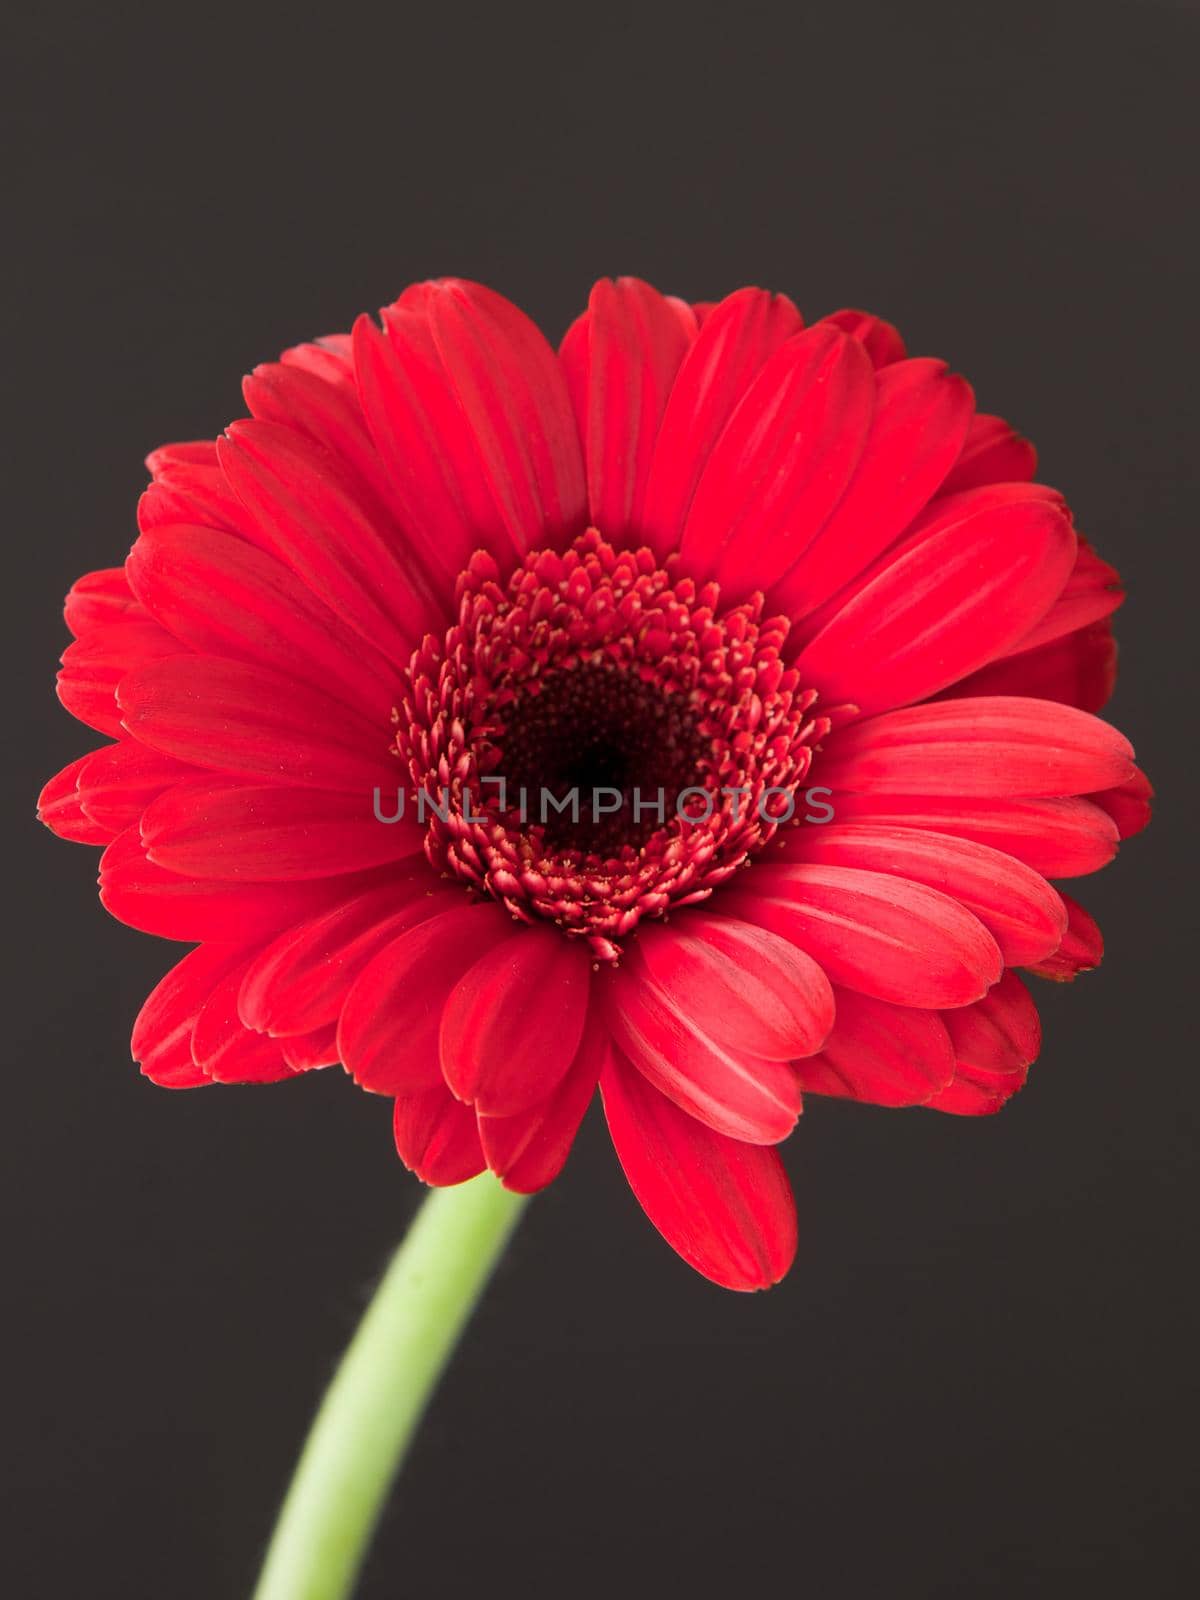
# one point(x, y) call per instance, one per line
point(726, 570)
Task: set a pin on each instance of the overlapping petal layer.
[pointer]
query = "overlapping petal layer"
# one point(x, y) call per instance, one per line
point(811, 557)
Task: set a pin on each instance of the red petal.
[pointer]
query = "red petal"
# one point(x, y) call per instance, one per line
point(876, 933)
point(962, 1098)
point(270, 835)
point(622, 364)
point(529, 1150)
point(330, 357)
point(993, 452)
point(94, 665)
point(1128, 804)
point(921, 413)
point(137, 892)
point(743, 986)
point(436, 1137)
point(300, 982)
point(724, 1086)
point(995, 1042)
point(880, 339)
point(305, 1052)
point(949, 600)
point(514, 398)
point(992, 746)
point(1093, 591)
point(250, 722)
point(1081, 950)
point(574, 361)
point(725, 1207)
point(1058, 838)
point(738, 337)
point(223, 597)
point(327, 412)
point(120, 781)
point(426, 443)
point(162, 1033)
point(883, 1054)
point(1079, 670)
point(226, 1050)
point(1024, 915)
point(997, 1039)
point(938, 517)
point(189, 486)
point(306, 513)
point(98, 599)
point(782, 463)
point(512, 1024)
point(388, 1031)
point(59, 807)
point(423, 440)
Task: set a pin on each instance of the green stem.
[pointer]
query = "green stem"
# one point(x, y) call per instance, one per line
point(373, 1406)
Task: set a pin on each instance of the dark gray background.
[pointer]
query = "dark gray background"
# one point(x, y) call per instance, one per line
point(978, 1380)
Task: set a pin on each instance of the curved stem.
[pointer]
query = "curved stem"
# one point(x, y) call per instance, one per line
point(373, 1406)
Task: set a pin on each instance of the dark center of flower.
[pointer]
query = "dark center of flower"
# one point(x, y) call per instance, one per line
point(600, 731)
point(596, 741)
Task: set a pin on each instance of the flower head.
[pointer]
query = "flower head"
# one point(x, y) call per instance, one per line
point(698, 713)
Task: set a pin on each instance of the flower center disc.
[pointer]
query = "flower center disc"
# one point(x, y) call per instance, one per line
point(596, 741)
